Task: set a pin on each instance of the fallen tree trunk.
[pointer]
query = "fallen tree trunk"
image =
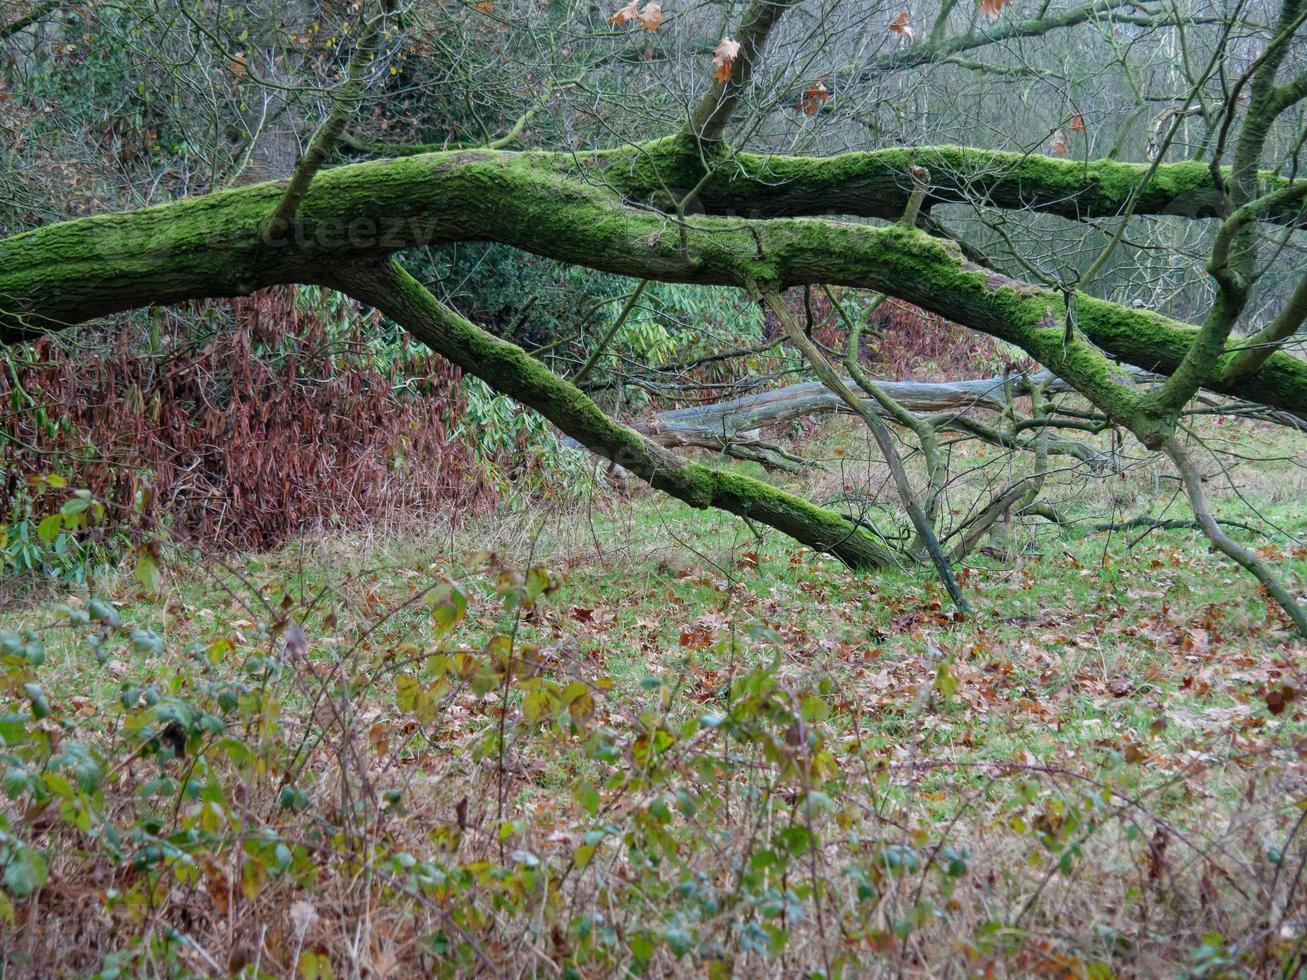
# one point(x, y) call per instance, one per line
point(214, 245)
point(731, 426)
point(725, 419)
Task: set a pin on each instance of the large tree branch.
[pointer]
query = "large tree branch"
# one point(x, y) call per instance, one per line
point(512, 371)
point(211, 246)
point(878, 183)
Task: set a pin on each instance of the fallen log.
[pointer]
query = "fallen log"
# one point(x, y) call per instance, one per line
point(710, 425)
point(733, 426)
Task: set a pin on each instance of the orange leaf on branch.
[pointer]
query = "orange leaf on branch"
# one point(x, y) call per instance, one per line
point(814, 97)
point(723, 58)
point(1077, 123)
point(625, 15)
point(650, 16)
point(900, 25)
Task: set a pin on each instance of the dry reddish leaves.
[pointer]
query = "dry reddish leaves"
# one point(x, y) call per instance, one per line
point(649, 17)
point(814, 97)
point(237, 446)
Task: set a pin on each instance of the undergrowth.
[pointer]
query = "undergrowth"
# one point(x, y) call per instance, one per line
point(641, 741)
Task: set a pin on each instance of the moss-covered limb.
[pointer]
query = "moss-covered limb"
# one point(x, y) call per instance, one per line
point(1248, 354)
point(878, 183)
point(1233, 260)
point(512, 371)
point(324, 140)
point(1192, 480)
point(829, 377)
point(212, 246)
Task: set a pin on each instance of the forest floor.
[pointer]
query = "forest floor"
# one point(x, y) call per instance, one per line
point(634, 738)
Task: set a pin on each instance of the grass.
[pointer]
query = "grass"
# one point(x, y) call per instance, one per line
point(691, 750)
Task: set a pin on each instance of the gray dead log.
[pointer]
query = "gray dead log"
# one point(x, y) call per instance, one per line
point(732, 426)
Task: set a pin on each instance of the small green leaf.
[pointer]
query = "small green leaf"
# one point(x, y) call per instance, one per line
point(147, 572)
point(49, 528)
point(584, 793)
point(104, 612)
point(25, 872)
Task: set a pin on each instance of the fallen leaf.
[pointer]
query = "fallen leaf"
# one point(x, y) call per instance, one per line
point(696, 638)
point(1278, 698)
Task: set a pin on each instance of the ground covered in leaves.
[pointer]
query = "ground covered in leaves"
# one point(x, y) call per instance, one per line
point(633, 739)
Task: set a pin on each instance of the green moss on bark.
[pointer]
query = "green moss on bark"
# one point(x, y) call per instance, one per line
point(209, 246)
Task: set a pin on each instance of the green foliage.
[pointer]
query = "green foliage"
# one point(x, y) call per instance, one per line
point(520, 451)
point(625, 767)
point(69, 544)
